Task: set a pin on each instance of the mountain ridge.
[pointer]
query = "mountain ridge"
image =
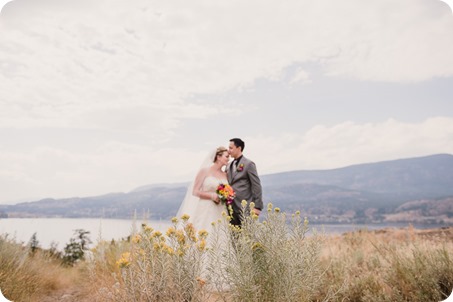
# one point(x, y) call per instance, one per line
point(368, 192)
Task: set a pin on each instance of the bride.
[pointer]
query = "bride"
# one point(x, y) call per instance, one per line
point(201, 202)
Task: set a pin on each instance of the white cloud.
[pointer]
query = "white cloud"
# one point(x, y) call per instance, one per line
point(131, 75)
point(348, 143)
point(112, 167)
point(115, 166)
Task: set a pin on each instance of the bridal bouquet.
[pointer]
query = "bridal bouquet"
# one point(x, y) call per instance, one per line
point(226, 193)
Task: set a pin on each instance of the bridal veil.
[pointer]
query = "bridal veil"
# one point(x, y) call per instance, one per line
point(189, 204)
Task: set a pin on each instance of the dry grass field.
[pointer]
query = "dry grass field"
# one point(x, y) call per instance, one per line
point(381, 265)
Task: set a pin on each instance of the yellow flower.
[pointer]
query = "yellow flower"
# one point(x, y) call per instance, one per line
point(181, 237)
point(146, 228)
point(277, 210)
point(305, 221)
point(185, 217)
point(125, 260)
point(297, 213)
point(190, 230)
point(170, 251)
point(202, 245)
point(174, 220)
point(244, 203)
point(137, 238)
point(252, 205)
point(156, 234)
point(202, 233)
point(269, 207)
point(171, 231)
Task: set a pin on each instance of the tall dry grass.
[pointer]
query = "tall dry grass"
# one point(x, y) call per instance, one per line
point(268, 259)
point(273, 259)
point(30, 276)
point(398, 265)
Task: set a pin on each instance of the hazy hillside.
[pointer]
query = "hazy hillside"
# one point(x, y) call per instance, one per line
point(397, 190)
point(428, 176)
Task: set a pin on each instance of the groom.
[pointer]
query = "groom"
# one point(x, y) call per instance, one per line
point(243, 178)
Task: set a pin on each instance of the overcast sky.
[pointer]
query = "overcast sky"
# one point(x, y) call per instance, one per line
point(100, 96)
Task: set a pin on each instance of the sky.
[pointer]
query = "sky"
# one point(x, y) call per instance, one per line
point(101, 96)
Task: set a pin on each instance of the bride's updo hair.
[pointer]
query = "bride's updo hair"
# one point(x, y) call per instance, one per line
point(219, 151)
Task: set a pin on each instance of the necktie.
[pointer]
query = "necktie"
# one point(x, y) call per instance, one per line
point(233, 164)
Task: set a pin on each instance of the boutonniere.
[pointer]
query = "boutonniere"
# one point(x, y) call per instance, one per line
point(240, 168)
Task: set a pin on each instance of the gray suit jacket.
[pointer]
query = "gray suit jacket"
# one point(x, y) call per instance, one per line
point(246, 184)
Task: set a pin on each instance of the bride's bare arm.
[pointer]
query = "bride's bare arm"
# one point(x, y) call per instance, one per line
point(197, 187)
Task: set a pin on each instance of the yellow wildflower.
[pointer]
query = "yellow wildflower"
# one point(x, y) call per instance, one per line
point(181, 237)
point(174, 220)
point(244, 203)
point(190, 230)
point(185, 217)
point(277, 210)
point(170, 251)
point(156, 234)
point(269, 207)
point(137, 238)
point(202, 233)
point(171, 231)
point(297, 213)
point(202, 245)
point(125, 260)
point(252, 205)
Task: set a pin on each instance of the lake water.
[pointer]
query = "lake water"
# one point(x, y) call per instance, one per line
point(61, 230)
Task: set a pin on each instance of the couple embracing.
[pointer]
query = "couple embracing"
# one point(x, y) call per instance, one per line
point(202, 202)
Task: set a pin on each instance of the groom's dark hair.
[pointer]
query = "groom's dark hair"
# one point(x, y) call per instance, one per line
point(238, 143)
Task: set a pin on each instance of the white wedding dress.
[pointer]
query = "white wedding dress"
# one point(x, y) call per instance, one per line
point(203, 212)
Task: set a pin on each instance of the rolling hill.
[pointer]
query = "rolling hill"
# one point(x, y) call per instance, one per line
point(410, 190)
